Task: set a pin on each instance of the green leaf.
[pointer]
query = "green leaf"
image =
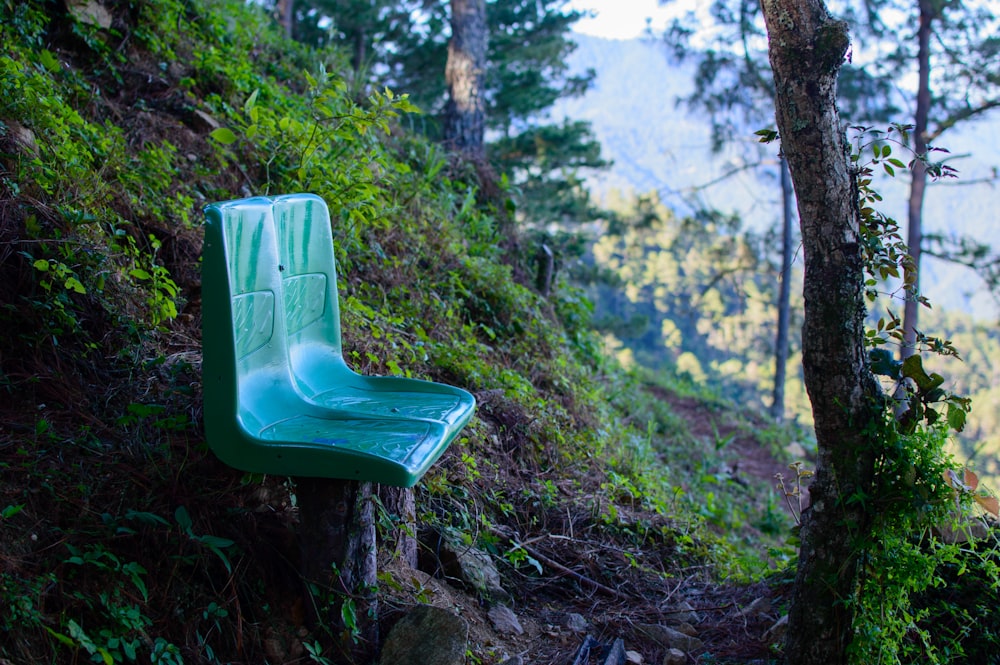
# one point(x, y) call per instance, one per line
point(766, 135)
point(956, 418)
point(49, 61)
point(913, 368)
point(216, 541)
point(41, 265)
point(183, 518)
point(251, 100)
point(883, 363)
point(139, 273)
point(223, 135)
point(68, 641)
point(73, 284)
point(349, 615)
point(10, 511)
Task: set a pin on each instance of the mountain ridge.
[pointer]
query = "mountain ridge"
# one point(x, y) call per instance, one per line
point(655, 144)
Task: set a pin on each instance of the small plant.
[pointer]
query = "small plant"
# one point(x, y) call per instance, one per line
point(792, 493)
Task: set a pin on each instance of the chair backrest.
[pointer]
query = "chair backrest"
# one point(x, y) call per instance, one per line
point(312, 312)
point(308, 269)
point(272, 356)
point(244, 345)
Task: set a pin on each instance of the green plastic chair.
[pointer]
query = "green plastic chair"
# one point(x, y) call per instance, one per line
point(279, 397)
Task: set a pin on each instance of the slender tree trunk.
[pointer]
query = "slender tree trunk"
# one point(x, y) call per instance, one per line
point(286, 9)
point(806, 49)
point(465, 72)
point(918, 182)
point(784, 293)
point(359, 52)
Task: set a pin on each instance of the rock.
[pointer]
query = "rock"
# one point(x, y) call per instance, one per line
point(23, 138)
point(90, 12)
point(504, 620)
point(776, 633)
point(683, 612)
point(204, 122)
point(576, 623)
point(685, 628)
point(427, 636)
point(969, 529)
point(675, 657)
point(633, 657)
point(760, 606)
point(513, 660)
point(671, 638)
point(470, 565)
point(616, 655)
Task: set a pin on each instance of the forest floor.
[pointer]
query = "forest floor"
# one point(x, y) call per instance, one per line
point(565, 614)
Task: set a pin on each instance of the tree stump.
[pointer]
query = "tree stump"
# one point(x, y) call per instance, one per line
point(338, 558)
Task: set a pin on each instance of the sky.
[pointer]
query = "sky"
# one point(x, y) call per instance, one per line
point(621, 19)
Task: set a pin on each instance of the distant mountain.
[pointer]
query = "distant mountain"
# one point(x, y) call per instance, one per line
point(658, 145)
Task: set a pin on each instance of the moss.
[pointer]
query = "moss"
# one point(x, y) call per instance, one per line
point(832, 41)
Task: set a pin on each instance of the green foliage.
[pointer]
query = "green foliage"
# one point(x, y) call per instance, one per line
point(693, 295)
point(127, 540)
point(913, 497)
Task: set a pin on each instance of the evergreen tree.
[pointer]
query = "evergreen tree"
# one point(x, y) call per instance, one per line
point(367, 29)
point(953, 49)
point(733, 84)
point(405, 46)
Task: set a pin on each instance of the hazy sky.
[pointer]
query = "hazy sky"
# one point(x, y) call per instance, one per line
point(620, 19)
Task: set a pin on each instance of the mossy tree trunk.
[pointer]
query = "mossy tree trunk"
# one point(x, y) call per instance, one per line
point(806, 49)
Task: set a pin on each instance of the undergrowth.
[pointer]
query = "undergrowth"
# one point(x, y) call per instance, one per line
point(122, 538)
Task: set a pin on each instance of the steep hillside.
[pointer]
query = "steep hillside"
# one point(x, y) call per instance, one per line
point(624, 499)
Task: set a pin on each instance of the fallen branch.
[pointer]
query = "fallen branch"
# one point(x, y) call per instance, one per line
point(572, 573)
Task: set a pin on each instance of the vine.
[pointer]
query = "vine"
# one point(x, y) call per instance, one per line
point(919, 495)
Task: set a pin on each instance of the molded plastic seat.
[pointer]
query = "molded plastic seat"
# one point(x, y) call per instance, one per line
point(313, 322)
point(279, 397)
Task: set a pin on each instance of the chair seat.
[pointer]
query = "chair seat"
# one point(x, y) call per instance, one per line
point(425, 406)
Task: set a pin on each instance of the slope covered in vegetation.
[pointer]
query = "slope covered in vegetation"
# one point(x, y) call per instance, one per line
point(123, 539)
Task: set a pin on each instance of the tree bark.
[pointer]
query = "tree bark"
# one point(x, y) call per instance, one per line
point(400, 504)
point(806, 50)
point(918, 175)
point(784, 293)
point(286, 14)
point(465, 72)
point(337, 541)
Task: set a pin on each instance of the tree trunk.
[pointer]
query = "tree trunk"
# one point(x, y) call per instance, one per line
point(784, 294)
point(465, 72)
point(337, 539)
point(401, 507)
point(918, 181)
point(806, 50)
point(286, 9)
point(358, 53)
